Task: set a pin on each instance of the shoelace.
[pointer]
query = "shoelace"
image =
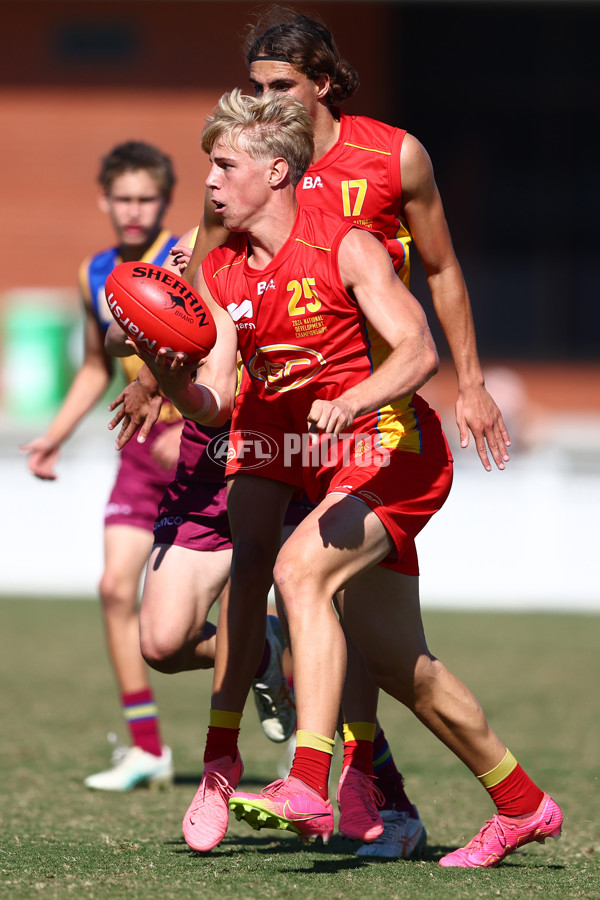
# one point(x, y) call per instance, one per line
point(495, 823)
point(366, 786)
point(392, 830)
point(119, 751)
point(274, 787)
point(271, 695)
point(215, 781)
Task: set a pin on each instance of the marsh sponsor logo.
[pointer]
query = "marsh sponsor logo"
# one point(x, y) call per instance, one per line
point(243, 310)
point(251, 448)
point(129, 326)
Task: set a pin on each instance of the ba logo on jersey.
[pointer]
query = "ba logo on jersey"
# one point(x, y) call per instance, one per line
point(308, 182)
point(284, 367)
point(263, 286)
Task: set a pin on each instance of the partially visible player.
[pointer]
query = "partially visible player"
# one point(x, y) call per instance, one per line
point(136, 183)
point(189, 566)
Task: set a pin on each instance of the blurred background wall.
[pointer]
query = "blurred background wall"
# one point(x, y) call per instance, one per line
point(504, 95)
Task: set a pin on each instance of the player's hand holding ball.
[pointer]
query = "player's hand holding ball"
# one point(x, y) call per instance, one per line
point(158, 310)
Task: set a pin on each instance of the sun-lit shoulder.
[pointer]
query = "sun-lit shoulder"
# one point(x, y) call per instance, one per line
point(361, 252)
point(416, 168)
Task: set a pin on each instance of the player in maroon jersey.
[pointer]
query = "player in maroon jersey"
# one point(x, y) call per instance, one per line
point(136, 182)
point(293, 289)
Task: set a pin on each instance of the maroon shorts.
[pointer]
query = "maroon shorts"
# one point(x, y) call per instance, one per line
point(193, 514)
point(139, 485)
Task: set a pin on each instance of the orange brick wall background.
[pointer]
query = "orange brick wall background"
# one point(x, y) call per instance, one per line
point(78, 77)
point(59, 115)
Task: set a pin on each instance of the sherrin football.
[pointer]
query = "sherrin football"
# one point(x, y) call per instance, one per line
point(157, 309)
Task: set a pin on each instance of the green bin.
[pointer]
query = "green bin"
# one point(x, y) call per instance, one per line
point(36, 360)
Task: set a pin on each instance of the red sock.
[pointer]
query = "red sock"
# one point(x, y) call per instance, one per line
point(220, 742)
point(516, 795)
point(312, 767)
point(141, 715)
point(359, 755)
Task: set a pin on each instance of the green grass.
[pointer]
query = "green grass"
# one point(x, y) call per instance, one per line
point(537, 676)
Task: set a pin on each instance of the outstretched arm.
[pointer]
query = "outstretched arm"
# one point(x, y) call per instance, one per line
point(87, 387)
point(423, 212)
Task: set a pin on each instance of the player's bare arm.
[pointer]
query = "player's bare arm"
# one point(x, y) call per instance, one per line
point(208, 397)
point(423, 212)
point(87, 387)
point(137, 407)
point(139, 403)
point(368, 273)
point(180, 255)
point(210, 234)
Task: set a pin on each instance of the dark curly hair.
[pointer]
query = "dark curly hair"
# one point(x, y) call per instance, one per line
point(306, 44)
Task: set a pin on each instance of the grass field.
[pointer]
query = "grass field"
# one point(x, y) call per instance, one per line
point(537, 676)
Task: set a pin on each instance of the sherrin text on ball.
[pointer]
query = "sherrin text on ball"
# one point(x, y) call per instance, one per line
point(156, 308)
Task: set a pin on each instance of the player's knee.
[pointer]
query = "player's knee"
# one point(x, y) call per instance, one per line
point(116, 595)
point(159, 652)
point(253, 561)
point(426, 682)
point(298, 584)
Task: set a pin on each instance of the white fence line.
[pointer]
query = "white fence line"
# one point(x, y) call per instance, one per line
point(526, 538)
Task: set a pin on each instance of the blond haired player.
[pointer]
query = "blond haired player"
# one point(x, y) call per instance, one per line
point(320, 377)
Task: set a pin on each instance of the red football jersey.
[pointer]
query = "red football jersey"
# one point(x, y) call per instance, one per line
point(300, 334)
point(360, 179)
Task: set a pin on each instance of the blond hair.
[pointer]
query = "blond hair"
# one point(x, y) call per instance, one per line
point(263, 127)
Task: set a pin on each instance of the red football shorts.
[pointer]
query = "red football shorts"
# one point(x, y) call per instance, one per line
point(403, 488)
